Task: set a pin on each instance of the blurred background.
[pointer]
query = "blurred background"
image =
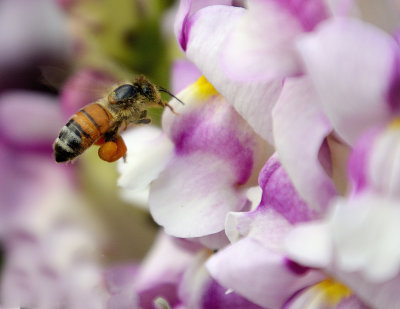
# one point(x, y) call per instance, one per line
point(55, 57)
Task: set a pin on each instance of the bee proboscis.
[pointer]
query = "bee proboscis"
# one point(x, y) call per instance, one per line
point(100, 122)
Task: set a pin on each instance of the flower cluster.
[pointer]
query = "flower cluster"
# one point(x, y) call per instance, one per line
point(303, 96)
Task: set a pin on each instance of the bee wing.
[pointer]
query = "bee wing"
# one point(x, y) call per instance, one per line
point(53, 76)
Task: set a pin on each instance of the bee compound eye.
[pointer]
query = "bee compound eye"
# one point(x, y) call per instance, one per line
point(125, 92)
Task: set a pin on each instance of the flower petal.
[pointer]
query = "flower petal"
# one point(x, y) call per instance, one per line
point(359, 161)
point(360, 235)
point(310, 244)
point(192, 196)
point(217, 156)
point(253, 101)
point(264, 38)
point(185, 10)
point(352, 65)
point(280, 194)
point(300, 128)
point(184, 73)
point(199, 290)
point(27, 108)
point(383, 161)
point(149, 151)
point(161, 271)
point(365, 232)
point(258, 274)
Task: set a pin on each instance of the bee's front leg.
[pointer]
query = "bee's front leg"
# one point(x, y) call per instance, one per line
point(165, 104)
point(143, 118)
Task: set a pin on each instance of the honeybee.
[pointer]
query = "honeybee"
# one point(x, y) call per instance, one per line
point(100, 122)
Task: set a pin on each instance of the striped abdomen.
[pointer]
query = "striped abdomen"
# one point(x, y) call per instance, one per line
point(81, 131)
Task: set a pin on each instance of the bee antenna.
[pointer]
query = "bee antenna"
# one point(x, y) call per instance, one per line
point(162, 89)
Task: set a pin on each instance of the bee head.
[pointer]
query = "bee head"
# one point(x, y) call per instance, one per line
point(141, 92)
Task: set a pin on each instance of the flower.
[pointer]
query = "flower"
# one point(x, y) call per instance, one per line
point(317, 82)
point(189, 152)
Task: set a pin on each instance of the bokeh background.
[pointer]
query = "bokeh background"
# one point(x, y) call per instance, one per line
point(55, 57)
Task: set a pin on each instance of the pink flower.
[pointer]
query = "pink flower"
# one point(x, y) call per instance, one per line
point(210, 154)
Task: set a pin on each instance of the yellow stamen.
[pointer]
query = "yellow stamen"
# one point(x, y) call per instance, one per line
point(332, 291)
point(202, 89)
point(395, 124)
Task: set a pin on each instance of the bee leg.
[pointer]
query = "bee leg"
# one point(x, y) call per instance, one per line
point(113, 150)
point(100, 141)
point(144, 121)
point(143, 114)
point(163, 104)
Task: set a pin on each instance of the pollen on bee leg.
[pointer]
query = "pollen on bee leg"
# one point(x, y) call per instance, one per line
point(113, 150)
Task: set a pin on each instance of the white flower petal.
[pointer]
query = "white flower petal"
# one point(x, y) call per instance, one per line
point(310, 245)
point(192, 196)
point(300, 128)
point(352, 65)
point(253, 101)
point(149, 150)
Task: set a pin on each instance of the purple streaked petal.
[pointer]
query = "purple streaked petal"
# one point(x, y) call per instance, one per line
point(300, 128)
point(29, 119)
point(217, 155)
point(258, 274)
point(280, 194)
point(352, 65)
point(185, 10)
point(264, 38)
point(253, 101)
point(192, 196)
point(215, 128)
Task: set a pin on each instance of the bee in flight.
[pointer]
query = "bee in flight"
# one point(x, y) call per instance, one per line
point(100, 122)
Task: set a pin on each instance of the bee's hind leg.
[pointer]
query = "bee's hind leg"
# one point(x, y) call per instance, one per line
point(113, 150)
